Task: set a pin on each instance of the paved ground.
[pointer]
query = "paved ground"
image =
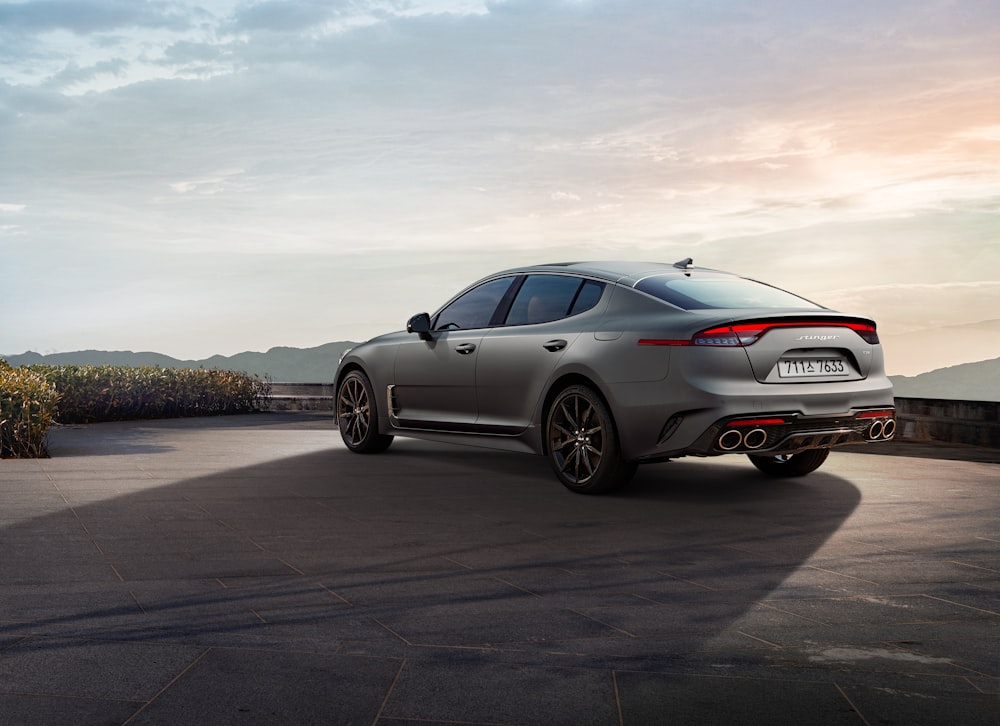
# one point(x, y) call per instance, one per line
point(250, 570)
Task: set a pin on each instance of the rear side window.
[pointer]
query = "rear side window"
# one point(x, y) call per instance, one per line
point(544, 298)
point(708, 292)
point(588, 296)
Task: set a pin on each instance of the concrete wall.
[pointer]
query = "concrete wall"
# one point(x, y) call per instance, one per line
point(954, 422)
point(920, 419)
point(302, 396)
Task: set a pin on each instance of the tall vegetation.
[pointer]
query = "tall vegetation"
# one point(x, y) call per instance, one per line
point(35, 397)
point(27, 410)
point(89, 394)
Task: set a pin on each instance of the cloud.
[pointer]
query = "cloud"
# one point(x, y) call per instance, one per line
point(822, 147)
point(73, 74)
point(215, 184)
point(91, 16)
point(285, 15)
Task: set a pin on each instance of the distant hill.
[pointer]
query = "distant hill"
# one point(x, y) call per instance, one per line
point(288, 365)
point(967, 382)
point(931, 349)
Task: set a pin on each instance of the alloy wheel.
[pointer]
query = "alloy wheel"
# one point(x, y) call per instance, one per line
point(577, 438)
point(354, 411)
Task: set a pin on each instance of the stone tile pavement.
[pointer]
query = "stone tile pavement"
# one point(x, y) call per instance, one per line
point(250, 570)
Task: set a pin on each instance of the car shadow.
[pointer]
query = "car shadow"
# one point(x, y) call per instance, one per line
point(428, 552)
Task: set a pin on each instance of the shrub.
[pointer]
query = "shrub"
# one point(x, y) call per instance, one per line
point(27, 410)
point(89, 394)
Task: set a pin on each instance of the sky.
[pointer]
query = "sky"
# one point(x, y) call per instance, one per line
point(199, 177)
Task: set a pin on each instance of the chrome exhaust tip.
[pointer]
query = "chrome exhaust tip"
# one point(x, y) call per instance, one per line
point(889, 429)
point(730, 439)
point(755, 439)
point(875, 430)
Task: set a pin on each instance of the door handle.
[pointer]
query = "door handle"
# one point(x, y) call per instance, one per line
point(554, 345)
point(465, 348)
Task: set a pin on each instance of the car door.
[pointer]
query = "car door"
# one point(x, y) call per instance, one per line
point(435, 373)
point(516, 360)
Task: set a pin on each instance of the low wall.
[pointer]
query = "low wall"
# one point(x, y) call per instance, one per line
point(975, 423)
point(302, 396)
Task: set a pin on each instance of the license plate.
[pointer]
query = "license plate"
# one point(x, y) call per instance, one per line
point(812, 367)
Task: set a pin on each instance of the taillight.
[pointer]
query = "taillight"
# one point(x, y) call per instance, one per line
point(731, 335)
point(865, 331)
point(744, 334)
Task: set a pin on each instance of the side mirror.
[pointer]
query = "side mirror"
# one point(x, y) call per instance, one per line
point(420, 323)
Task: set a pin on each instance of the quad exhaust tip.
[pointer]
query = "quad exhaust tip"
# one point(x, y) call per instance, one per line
point(732, 439)
point(881, 430)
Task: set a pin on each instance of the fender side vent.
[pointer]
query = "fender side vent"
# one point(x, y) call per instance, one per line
point(669, 428)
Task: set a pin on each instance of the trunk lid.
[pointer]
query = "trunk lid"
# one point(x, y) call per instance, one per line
point(807, 348)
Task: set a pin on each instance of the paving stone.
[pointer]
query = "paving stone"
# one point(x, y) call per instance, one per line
point(44, 710)
point(78, 668)
point(467, 691)
point(663, 698)
point(263, 687)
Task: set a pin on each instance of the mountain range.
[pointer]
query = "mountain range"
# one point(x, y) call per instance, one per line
point(288, 365)
point(931, 349)
point(978, 381)
point(966, 382)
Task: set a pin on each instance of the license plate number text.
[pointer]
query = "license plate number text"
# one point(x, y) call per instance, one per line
point(812, 367)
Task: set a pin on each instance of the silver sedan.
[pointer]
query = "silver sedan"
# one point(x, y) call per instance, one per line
point(606, 365)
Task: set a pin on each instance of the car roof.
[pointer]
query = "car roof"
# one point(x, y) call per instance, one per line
point(620, 271)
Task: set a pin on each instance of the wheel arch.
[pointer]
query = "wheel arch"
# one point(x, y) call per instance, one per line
point(560, 384)
point(341, 374)
point(347, 368)
point(379, 399)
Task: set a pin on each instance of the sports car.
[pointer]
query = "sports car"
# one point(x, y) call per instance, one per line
point(602, 366)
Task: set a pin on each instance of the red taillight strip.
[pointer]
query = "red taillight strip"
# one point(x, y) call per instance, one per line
point(746, 334)
point(877, 414)
point(860, 327)
point(757, 422)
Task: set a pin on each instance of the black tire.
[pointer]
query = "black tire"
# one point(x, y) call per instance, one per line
point(791, 465)
point(357, 415)
point(582, 443)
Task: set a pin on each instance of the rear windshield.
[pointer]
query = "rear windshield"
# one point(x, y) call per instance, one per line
point(700, 293)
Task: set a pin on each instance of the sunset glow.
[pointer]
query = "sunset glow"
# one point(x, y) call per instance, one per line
point(212, 177)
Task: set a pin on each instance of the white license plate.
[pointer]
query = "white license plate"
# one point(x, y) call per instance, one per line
point(812, 367)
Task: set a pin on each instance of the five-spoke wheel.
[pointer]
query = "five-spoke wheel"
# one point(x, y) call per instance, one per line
point(357, 415)
point(583, 444)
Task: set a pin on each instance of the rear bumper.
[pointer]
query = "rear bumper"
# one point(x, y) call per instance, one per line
point(773, 434)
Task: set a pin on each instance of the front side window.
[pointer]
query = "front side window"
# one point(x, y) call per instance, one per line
point(708, 292)
point(544, 298)
point(475, 308)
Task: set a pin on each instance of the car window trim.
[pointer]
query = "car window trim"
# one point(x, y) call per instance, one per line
point(579, 292)
point(506, 302)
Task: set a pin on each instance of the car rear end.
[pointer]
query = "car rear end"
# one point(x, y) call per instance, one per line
point(765, 381)
point(804, 382)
